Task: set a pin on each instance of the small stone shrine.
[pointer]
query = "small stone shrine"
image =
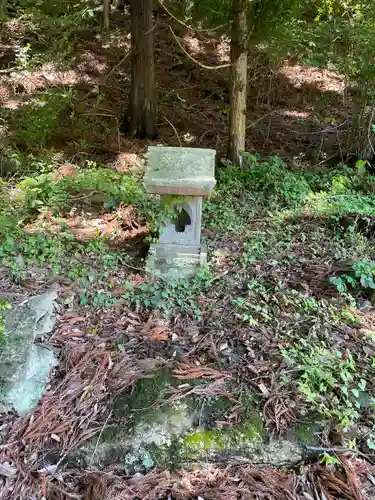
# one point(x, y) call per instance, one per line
point(181, 176)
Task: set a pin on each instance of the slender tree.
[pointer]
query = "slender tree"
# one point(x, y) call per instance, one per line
point(140, 119)
point(238, 82)
point(106, 6)
point(3, 9)
point(249, 22)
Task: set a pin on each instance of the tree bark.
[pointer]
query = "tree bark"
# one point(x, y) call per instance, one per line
point(238, 82)
point(3, 9)
point(367, 150)
point(141, 117)
point(106, 4)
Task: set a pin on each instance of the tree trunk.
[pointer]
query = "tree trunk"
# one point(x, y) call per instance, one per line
point(141, 117)
point(3, 9)
point(238, 82)
point(367, 149)
point(106, 4)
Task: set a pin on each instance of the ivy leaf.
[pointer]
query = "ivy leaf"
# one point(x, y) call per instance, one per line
point(84, 300)
point(355, 392)
point(361, 166)
point(344, 389)
point(362, 384)
point(29, 182)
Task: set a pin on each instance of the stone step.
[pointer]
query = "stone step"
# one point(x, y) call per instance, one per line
point(149, 431)
point(175, 261)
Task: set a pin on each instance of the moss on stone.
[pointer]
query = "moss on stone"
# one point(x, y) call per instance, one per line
point(166, 457)
point(147, 390)
point(204, 440)
point(169, 439)
point(145, 397)
point(253, 426)
point(174, 434)
point(109, 435)
point(306, 433)
point(244, 436)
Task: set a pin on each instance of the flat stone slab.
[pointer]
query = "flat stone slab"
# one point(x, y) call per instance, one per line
point(24, 365)
point(173, 262)
point(147, 434)
point(180, 171)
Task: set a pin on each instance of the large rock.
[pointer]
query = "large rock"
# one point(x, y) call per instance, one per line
point(188, 431)
point(24, 365)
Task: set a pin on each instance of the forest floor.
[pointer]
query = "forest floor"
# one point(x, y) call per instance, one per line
point(284, 316)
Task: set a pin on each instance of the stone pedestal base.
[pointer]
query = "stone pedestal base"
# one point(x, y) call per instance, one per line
point(175, 261)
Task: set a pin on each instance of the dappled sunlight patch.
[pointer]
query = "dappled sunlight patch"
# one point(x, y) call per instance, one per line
point(36, 118)
point(92, 64)
point(296, 114)
point(322, 79)
point(365, 318)
point(223, 52)
point(4, 95)
point(193, 45)
point(126, 161)
point(120, 226)
point(47, 76)
point(86, 229)
point(66, 170)
point(15, 29)
point(118, 40)
point(13, 103)
point(189, 138)
point(211, 50)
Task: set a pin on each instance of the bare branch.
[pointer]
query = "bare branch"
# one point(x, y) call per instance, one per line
point(220, 66)
point(192, 28)
point(174, 17)
point(174, 130)
point(117, 65)
point(8, 70)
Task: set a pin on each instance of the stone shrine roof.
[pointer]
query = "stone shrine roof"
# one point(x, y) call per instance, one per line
point(180, 171)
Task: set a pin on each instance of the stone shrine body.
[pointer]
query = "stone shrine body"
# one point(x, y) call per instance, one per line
point(182, 177)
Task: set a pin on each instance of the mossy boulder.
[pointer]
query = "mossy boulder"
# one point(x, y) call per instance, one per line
point(154, 430)
point(25, 365)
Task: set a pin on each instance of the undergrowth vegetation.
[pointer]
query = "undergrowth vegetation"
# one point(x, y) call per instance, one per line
point(289, 220)
point(291, 274)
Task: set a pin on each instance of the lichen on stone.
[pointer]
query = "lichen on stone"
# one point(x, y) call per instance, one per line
point(224, 439)
point(160, 433)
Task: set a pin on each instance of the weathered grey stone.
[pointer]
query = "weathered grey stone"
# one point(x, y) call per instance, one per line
point(175, 261)
point(187, 173)
point(187, 230)
point(24, 365)
point(180, 171)
point(131, 445)
point(182, 433)
point(168, 437)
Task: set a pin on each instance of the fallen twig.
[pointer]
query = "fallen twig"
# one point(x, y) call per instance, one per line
point(7, 70)
point(337, 450)
point(174, 129)
point(117, 65)
point(85, 196)
point(100, 435)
